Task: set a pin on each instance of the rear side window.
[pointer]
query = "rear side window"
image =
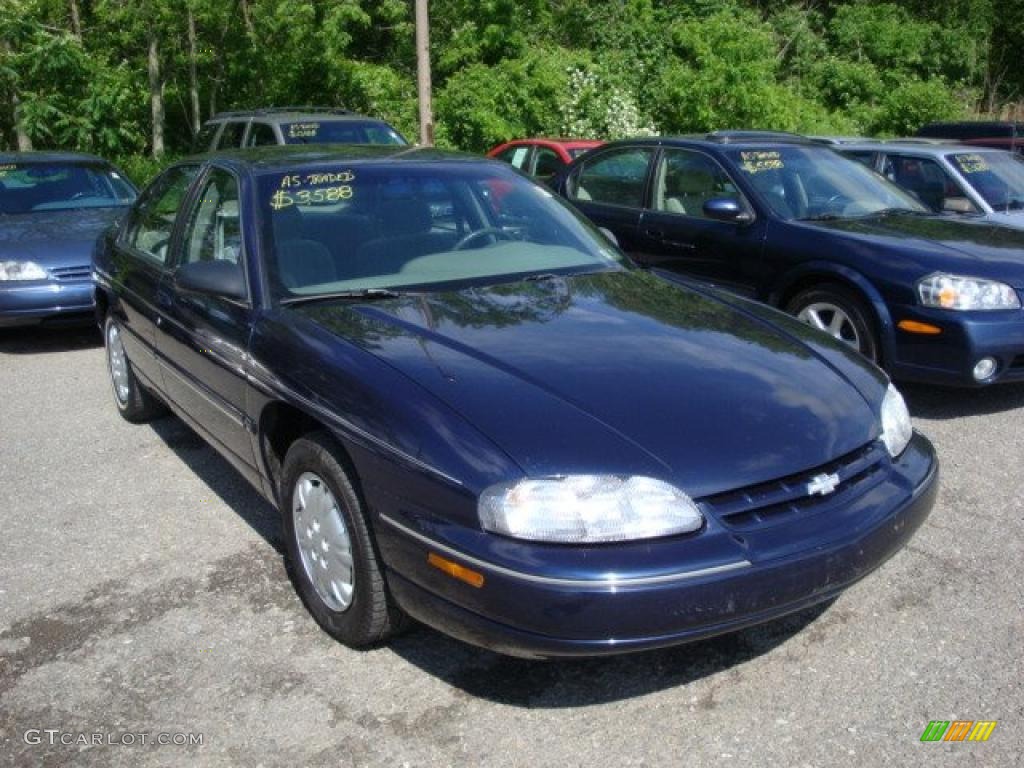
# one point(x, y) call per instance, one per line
point(617, 177)
point(231, 136)
point(204, 140)
point(548, 163)
point(515, 156)
point(261, 135)
point(150, 227)
point(867, 159)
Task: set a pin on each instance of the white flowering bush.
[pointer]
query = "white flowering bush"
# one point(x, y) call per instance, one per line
point(596, 108)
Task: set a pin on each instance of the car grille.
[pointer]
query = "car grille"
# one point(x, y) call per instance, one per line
point(72, 273)
point(787, 499)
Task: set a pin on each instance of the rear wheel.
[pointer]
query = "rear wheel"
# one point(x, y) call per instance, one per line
point(332, 559)
point(839, 312)
point(133, 402)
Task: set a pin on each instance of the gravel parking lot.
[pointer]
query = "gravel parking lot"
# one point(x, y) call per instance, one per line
point(142, 594)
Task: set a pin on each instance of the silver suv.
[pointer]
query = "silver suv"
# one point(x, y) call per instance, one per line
point(293, 125)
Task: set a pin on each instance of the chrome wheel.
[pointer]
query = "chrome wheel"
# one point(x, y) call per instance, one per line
point(832, 320)
point(118, 364)
point(323, 541)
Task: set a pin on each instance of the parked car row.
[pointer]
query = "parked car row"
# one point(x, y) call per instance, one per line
point(549, 419)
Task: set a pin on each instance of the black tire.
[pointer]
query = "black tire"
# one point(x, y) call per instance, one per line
point(372, 616)
point(136, 404)
point(856, 309)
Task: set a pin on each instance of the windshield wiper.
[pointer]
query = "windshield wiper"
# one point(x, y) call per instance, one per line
point(363, 294)
point(822, 217)
point(891, 211)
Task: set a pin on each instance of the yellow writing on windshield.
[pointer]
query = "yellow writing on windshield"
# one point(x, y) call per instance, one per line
point(303, 130)
point(284, 198)
point(972, 163)
point(755, 162)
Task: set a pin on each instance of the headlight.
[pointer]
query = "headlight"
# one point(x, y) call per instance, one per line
point(896, 427)
point(588, 508)
point(954, 292)
point(22, 270)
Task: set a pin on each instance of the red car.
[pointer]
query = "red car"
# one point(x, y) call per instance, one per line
point(542, 158)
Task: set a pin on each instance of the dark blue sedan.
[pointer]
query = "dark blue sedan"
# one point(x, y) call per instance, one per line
point(791, 223)
point(52, 209)
point(470, 409)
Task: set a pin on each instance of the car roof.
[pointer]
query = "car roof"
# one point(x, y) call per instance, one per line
point(564, 142)
point(50, 157)
point(293, 114)
point(288, 156)
point(912, 148)
point(753, 140)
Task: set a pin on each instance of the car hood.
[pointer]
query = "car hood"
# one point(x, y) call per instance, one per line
point(976, 246)
point(54, 238)
point(1007, 218)
point(619, 372)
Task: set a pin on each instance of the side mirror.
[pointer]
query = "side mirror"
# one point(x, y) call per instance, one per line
point(957, 205)
point(610, 236)
point(727, 209)
point(216, 278)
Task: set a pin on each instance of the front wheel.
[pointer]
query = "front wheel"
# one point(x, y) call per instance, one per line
point(840, 313)
point(331, 556)
point(133, 402)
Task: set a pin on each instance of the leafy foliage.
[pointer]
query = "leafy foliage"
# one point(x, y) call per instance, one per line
point(503, 68)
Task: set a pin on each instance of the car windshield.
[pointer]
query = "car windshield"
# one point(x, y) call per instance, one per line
point(419, 227)
point(341, 132)
point(996, 176)
point(36, 186)
point(817, 183)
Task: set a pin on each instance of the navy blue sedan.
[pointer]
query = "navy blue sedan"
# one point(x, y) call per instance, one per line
point(471, 410)
point(53, 207)
point(791, 223)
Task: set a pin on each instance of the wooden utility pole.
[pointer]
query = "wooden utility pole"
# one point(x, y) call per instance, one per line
point(423, 74)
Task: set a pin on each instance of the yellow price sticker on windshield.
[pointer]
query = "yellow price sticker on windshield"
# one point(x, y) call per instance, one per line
point(755, 162)
point(972, 163)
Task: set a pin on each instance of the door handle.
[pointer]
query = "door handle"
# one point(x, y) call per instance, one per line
point(659, 234)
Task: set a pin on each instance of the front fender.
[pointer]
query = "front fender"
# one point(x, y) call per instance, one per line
point(825, 271)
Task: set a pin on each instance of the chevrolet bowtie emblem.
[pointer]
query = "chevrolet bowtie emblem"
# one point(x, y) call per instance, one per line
point(822, 485)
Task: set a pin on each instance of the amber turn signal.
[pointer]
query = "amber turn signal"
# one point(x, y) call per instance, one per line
point(913, 326)
point(456, 571)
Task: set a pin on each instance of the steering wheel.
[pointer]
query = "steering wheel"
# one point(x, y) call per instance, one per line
point(496, 232)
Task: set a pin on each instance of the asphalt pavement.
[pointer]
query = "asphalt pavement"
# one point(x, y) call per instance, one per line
point(143, 600)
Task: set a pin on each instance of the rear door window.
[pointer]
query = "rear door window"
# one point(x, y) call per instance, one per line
point(548, 163)
point(616, 177)
point(261, 135)
point(231, 136)
point(516, 156)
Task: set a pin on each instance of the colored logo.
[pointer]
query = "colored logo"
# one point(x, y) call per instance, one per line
point(958, 730)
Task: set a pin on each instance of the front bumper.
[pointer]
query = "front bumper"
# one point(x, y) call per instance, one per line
point(949, 357)
point(530, 615)
point(45, 301)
